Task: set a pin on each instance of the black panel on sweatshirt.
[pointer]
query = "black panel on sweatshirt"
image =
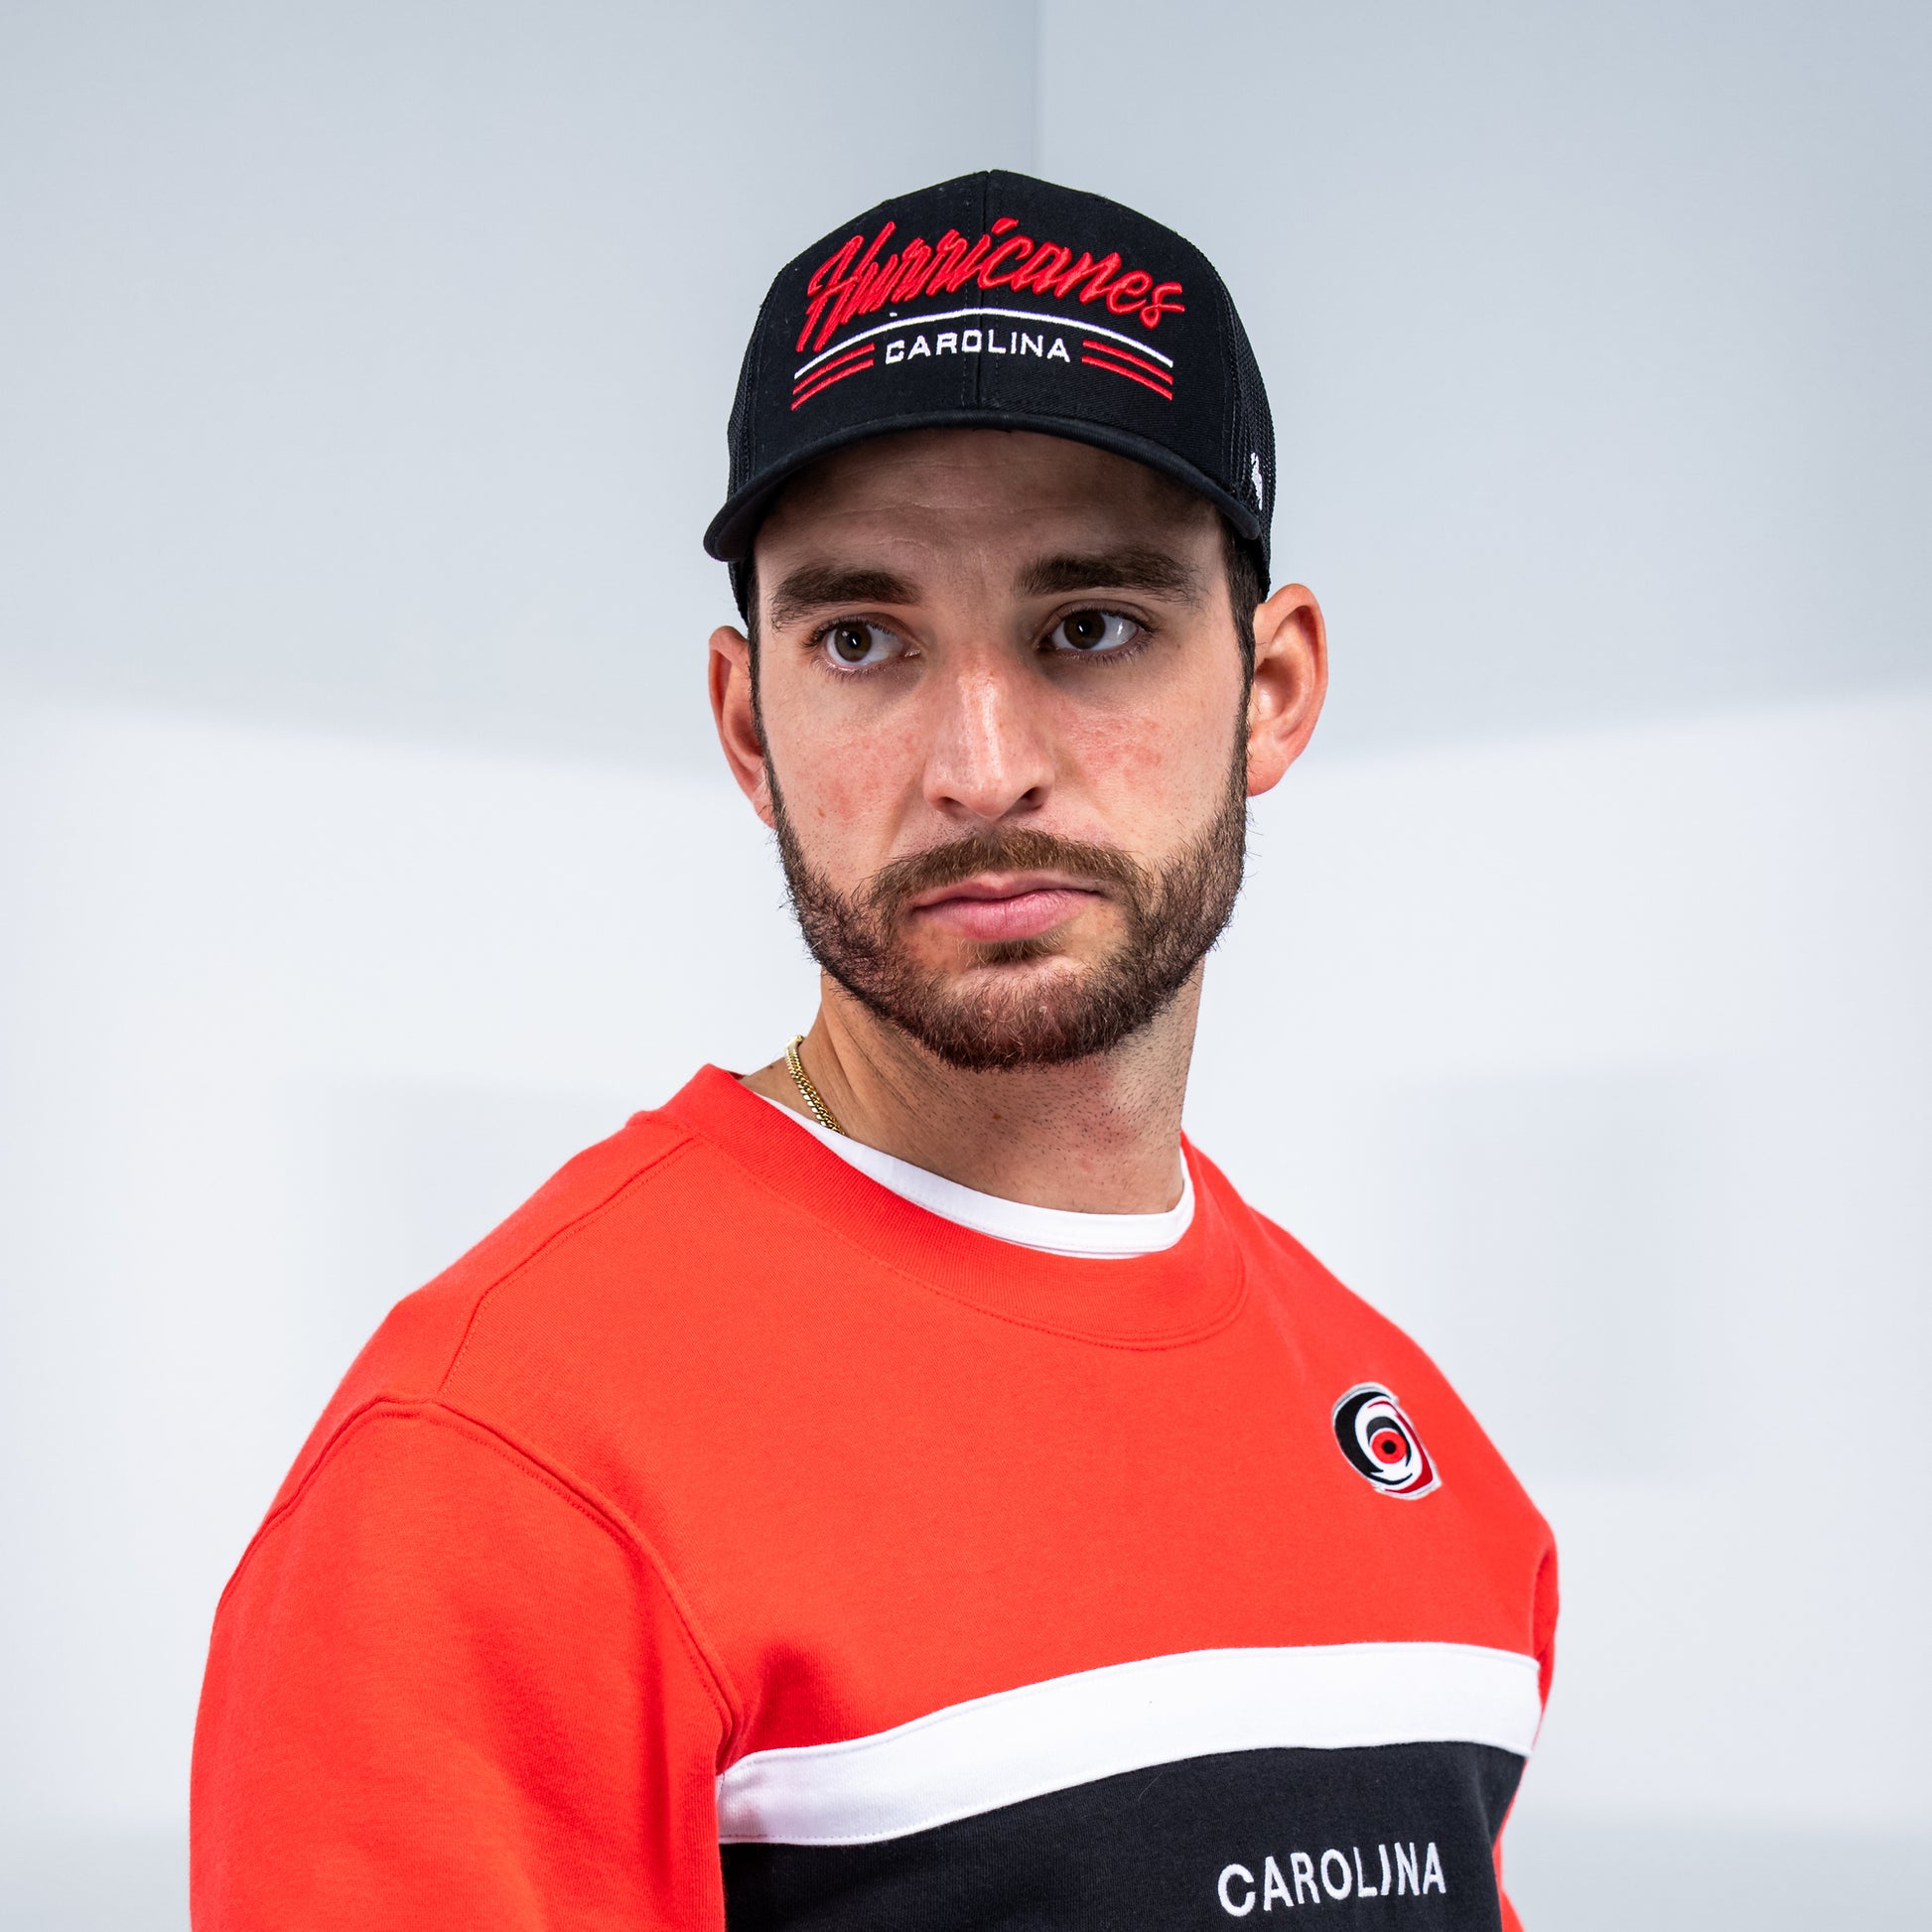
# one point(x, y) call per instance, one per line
point(1155, 1848)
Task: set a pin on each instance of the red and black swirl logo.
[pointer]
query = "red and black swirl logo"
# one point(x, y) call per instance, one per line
point(1381, 1442)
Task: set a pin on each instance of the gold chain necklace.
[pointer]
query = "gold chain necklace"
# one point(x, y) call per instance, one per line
point(820, 1111)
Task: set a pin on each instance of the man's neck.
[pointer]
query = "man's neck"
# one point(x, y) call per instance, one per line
point(1097, 1136)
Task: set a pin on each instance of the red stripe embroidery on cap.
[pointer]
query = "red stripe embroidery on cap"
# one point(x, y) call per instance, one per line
point(826, 365)
point(1163, 376)
point(824, 381)
point(1162, 388)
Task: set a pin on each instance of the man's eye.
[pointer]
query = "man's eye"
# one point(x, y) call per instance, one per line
point(854, 646)
point(1093, 632)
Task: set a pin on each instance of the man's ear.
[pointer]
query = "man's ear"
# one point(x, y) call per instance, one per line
point(1289, 682)
point(734, 711)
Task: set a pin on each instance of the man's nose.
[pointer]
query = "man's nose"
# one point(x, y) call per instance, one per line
point(988, 757)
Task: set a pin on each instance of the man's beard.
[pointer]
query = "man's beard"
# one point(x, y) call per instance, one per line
point(1173, 916)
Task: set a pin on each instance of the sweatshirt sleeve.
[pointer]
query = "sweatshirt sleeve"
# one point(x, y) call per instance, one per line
point(444, 1690)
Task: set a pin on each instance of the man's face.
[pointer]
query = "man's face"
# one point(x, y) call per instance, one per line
point(1002, 696)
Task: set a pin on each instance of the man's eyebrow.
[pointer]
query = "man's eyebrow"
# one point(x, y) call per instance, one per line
point(1132, 568)
point(811, 587)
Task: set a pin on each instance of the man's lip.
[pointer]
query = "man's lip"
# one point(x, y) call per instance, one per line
point(1002, 884)
point(1004, 908)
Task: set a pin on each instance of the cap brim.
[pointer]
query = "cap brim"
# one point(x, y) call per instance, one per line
point(731, 533)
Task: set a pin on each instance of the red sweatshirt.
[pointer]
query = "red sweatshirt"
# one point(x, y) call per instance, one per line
point(725, 1540)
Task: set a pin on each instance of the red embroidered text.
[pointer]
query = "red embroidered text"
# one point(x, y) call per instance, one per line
point(857, 282)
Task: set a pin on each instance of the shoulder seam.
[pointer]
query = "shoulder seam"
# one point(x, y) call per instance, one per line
point(556, 1238)
point(567, 1488)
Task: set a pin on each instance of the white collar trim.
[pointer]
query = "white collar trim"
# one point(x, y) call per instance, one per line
point(1049, 1230)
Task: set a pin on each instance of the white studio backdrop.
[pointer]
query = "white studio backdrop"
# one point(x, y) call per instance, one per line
point(364, 851)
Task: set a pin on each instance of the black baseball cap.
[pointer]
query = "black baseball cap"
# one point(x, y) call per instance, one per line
point(996, 301)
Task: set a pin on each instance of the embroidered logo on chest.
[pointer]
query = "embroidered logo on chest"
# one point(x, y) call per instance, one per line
point(1381, 1442)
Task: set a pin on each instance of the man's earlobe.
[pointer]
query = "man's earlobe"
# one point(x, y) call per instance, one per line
point(734, 711)
point(1289, 682)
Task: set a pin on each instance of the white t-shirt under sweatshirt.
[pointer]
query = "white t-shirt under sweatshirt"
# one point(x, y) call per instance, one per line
point(1051, 1230)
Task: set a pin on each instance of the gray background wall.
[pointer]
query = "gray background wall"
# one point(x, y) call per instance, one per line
point(363, 374)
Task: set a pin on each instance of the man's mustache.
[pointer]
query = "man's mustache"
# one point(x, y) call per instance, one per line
point(1017, 849)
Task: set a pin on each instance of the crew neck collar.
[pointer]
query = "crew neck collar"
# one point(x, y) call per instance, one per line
point(1179, 1294)
point(1046, 1230)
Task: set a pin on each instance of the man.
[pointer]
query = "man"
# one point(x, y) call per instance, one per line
point(906, 1485)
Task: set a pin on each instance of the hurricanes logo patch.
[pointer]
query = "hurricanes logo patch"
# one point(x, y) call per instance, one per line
point(1381, 1442)
point(852, 284)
